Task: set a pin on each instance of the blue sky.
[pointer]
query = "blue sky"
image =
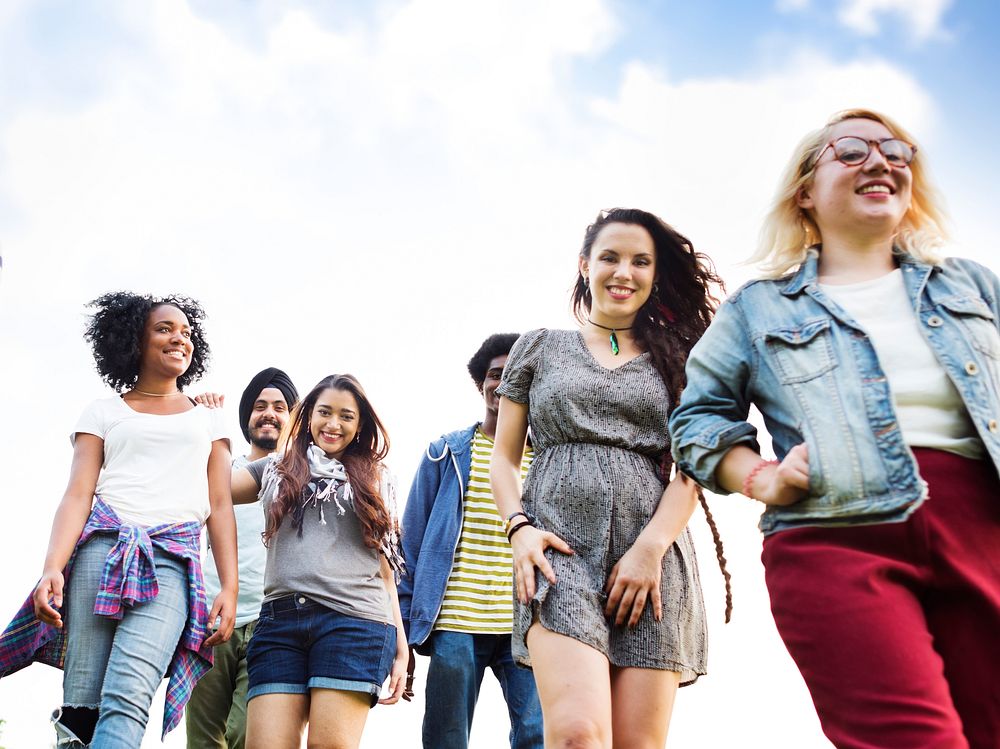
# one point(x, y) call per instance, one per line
point(376, 187)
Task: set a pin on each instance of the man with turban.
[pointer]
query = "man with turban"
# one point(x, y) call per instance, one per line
point(217, 711)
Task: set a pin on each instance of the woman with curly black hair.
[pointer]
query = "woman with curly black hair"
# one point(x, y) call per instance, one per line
point(330, 630)
point(608, 609)
point(120, 602)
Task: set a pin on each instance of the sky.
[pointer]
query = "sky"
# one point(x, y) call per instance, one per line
point(376, 187)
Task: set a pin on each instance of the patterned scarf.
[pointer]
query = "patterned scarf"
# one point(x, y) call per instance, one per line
point(329, 482)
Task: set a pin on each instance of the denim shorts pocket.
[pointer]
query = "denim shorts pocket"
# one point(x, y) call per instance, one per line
point(802, 353)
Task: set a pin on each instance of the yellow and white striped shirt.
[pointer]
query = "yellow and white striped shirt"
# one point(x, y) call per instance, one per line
point(479, 596)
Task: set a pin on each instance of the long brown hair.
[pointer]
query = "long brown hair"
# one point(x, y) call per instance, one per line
point(677, 313)
point(362, 460)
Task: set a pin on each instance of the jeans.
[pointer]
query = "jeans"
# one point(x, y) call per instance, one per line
point(216, 715)
point(458, 661)
point(116, 666)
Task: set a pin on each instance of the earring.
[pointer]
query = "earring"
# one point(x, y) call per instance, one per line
point(586, 281)
point(656, 288)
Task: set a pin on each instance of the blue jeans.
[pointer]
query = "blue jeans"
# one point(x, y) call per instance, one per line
point(116, 666)
point(458, 661)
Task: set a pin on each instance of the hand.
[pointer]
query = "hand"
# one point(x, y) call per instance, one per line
point(633, 581)
point(786, 483)
point(49, 588)
point(223, 610)
point(529, 545)
point(210, 400)
point(397, 676)
point(411, 669)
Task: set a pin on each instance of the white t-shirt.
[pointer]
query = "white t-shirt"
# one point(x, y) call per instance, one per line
point(252, 556)
point(930, 411)
point(155, 466)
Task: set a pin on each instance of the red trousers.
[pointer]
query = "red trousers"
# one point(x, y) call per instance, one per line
point(896, 626)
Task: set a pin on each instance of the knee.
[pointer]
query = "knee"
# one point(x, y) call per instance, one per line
point(577, 732)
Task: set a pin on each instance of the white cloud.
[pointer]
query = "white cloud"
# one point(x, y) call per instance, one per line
point(921, 18)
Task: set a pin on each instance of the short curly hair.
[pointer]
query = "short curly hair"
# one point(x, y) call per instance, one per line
point(115, 332)
point(498, 344)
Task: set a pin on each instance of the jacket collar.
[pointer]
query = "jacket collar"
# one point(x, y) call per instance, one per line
point(460, 440)
point(809, 269)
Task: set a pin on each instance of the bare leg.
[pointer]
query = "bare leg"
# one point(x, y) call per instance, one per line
point(642, 700)
point(574, 687)
point(276, 721)
point(337, 718)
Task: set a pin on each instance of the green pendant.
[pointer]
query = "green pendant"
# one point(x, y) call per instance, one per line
point(614, 344)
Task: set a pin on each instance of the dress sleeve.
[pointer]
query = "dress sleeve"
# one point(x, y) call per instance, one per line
point(93, 420)
point(522, 363)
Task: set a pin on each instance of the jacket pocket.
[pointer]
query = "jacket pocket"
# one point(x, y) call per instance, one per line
point(975, 317)
point(802, 353)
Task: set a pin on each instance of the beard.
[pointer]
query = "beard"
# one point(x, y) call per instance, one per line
point(264, 443)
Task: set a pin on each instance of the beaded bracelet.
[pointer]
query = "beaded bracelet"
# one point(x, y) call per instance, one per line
point(748, 481)
point(516, 528)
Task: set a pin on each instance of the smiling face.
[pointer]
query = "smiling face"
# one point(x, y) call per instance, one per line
point(267, 418)
point(334, 421)
point(489, 389)
point(621, 269)
point(868, 199)
point(166, 342)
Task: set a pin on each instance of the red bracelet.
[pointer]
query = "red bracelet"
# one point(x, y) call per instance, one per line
point(748, 481)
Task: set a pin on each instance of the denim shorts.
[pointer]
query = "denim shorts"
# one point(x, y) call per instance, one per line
point(299, 645)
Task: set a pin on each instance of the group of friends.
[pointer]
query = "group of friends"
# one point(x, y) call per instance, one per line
point(548, 540)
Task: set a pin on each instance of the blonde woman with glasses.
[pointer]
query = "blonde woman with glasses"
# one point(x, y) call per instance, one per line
point(875, 365)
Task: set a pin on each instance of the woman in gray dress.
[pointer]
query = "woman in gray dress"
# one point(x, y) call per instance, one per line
point(609, 610)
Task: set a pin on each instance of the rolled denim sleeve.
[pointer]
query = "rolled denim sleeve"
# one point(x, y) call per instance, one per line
point(712, 415)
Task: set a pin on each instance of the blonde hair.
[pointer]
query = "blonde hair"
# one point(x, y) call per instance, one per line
point(788, 231)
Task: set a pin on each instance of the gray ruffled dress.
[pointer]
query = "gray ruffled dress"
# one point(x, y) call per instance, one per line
point(598, 434)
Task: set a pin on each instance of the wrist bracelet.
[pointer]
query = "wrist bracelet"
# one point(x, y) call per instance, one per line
point(521, 513)
point(516, 528)
point(748, 481)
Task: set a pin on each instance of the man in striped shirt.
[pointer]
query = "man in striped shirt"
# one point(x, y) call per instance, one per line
point(457, 598)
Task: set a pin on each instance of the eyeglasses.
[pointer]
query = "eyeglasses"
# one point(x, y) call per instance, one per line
point(854, 151)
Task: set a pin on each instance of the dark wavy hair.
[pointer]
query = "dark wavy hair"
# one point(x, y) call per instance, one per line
point(498, 344)
point(679, 310)
point(115, 330)
point(362, 460)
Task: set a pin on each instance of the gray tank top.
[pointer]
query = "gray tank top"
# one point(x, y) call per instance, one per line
point(329, 563)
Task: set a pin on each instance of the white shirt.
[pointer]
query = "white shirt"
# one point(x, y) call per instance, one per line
point(928, 407)
point(155, 466)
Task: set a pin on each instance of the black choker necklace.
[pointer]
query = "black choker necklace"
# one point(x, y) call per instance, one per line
point(613, 337)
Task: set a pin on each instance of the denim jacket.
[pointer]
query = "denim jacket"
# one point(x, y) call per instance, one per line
point(432, 523)
point(785, 347)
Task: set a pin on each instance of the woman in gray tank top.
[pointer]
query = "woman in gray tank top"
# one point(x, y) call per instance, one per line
point(330, 631)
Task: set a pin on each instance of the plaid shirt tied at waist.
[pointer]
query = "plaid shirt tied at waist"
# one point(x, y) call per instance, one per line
point(129, 578)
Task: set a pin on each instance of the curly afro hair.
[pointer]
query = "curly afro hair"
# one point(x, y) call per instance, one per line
point(498, 344)
point(115, 333)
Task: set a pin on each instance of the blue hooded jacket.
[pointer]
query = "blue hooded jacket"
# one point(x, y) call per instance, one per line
point(432, 523)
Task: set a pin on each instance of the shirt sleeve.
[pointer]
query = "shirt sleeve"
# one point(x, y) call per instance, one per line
point(217, 428)
point(256, 468)
point(522, 363)
point(93, 420)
